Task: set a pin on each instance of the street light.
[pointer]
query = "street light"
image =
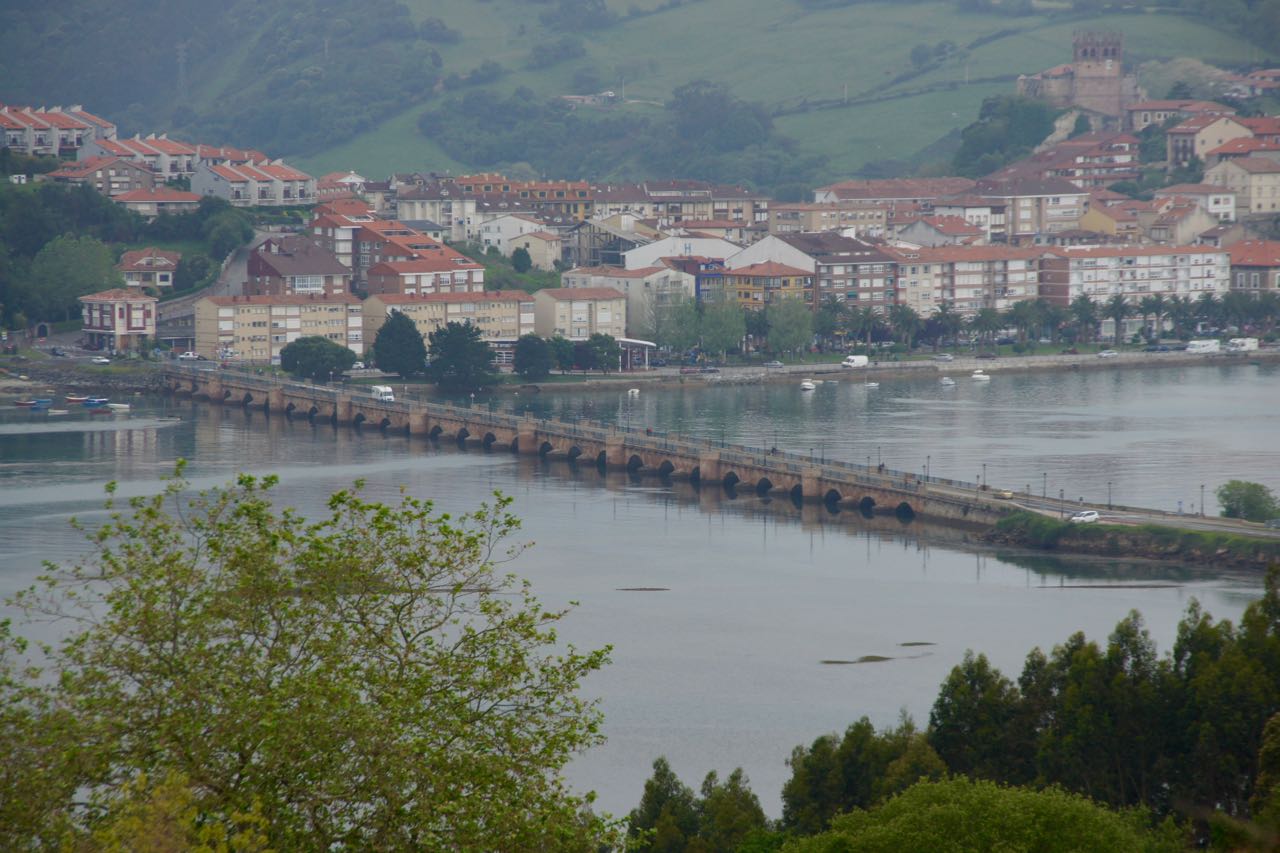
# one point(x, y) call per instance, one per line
point(927, 459)
point(879, 461)
point(1044, 486)
point(1202, 500)
point(984, 475)
point(1062, 502)
point(1108, 494)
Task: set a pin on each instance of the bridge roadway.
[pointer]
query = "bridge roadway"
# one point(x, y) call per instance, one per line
point(640, 451)
point(651, 452)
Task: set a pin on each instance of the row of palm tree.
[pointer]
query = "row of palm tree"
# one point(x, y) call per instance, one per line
point(1081, 321)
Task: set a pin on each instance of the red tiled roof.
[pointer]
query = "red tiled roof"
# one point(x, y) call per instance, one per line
point(769, 268)
point(900, 188)
point(156, 194)
point(570, 293)
point(1200, 122)
point(84, 168)
point(1255, 253)
point(479, 296)
point(1255, 165)
point(283, 172)
point(169, 146)
point(30, 119)
point(287, 299)
point(1132, 251)
point(421, 264)
point(62, 120)
point(111, 146)
point(952, 254)
point(1244, 145)
point(229, 173)
point(1193, 189)
point(953, 225)
point(117, 294)
point(614, 272)
point(91, 118)
point(137, 259)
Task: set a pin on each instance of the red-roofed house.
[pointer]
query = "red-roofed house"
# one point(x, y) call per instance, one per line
point(119, 320)
point(108, 175)
point(1245, 146)
point(429, 273)
point(649, 290)
point(149, 267)
point(271, 184)
point(757, 286)
point(577, 313)
point(158, 201)
point(56, 131)
point(1255, 181)
point(1218, 201)
point(1255, 266)
point(942, 231)
point(1145, 113)
point(295, 265)
point(1198, 135)
point(1132, 272)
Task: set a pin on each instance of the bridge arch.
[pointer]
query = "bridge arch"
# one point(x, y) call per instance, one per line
point(384, 423)
point(574, 453)
point(463, 435)
point(666, 469)
point(489, 439)
point(904, 511)
point(602, 460)
point(635, 463)
point(867, 506)
point(288, 410)
point(695, 475)
point(246, 399)
point(312, 412)
point(358, 420)
point(797, 495)
point(763, 486)
point(545, 448)
point(226, 395)
point(831, 498)
point(434, 434)
point(731, 480)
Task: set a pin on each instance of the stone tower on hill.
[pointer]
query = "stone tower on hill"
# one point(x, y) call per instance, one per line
point(1095, 81)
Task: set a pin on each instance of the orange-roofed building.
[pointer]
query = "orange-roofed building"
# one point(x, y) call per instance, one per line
point(1255, 266)
point(502, 316)
point(577, 313)
point(158, 201)
point(108, 175)
point(254, 184)
point(149, 268)
point(118, 320)
point(51, 131)
point(758, 286)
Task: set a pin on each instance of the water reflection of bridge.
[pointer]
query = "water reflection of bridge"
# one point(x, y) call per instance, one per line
point(803, 480)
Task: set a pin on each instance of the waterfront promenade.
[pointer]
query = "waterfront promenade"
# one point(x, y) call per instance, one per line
point(645, 452)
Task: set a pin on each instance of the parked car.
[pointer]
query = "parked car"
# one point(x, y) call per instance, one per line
point(58, 352)
point(1087, 516)
point(359, 365)
point(99, 359)
point(1157, 348)
point(188, 356)
point(1107, 353)
point(1003, 494)
point(944, 356)
point(773, 364)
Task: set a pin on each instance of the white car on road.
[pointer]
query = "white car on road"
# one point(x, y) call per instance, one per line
point(1087, 516)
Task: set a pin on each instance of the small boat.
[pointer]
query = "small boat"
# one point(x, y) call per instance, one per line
point(76, 398)
point(980, 375)
point(94, 402)
point(55, 412)
point(42, 403)
point(807, 385)
point(873, 385)
point(26, 404)
point(947, 382)
point(633, 392)
point(118, 407)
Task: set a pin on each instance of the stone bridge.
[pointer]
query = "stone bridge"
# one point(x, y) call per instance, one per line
point(640, 452)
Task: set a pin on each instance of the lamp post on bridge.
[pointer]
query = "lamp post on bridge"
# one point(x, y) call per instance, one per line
point(1108, 494)
point(1044, 485)
point(1202, 500)
point(1062, 503)
point(927, 459)
point(984, 475)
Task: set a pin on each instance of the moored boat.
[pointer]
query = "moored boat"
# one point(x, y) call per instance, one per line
point(55, 412)
point(981, 375)
point(76, 398)
point(947, 382)
point(873, 385)
point(26, 404)
point(118, 407)
point(807, 385)
point(93, 402)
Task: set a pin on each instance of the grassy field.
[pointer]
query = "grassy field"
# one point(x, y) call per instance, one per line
point(784, 55)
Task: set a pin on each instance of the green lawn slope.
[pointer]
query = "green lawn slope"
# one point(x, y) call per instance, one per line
point(840, 78)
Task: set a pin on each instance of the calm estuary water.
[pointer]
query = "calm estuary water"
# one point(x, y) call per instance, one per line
point(723, 667)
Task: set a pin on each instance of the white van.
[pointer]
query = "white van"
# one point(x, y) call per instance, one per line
point(383, 393)
point(854, 361)
point(1242, 345)
point(1204, 346)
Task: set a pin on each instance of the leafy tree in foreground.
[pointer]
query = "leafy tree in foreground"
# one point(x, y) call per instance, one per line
point(316, 358)
point(399, 347)
point(460, 358)
point(671, 818)
point(520, 260)
point(533, 357)
point(963, 814)
point(1250, 501)
point(723, 327)
point(65, 269)
point(367, 680)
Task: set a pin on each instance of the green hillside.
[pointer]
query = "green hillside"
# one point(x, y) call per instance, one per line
point(833, 81)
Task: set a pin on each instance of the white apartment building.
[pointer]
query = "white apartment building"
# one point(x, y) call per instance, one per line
point(259, 327)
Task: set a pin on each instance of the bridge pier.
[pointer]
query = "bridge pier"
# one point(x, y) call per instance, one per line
point(419, 424)
point(275, 400)
point(342, 409)
point(615, 452)
point(527, 437)
point(709, 467)
point(811, 484)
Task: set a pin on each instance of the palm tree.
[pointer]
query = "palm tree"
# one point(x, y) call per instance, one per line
point(1116, 310)
point(1024, 317)
point(946, 323)
point(1182, 314)
point(1052, 317)
point(864, 321)
point(986, 323)
point(905, 322)
point(1268, 311)
point(1235, 308)
point(1159, 307)
point(1208, 309)
point(1085, 315)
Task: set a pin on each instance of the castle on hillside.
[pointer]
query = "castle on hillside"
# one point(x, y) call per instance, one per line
point(1094, 81)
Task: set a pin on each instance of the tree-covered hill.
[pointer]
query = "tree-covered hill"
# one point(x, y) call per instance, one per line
point(836, 86)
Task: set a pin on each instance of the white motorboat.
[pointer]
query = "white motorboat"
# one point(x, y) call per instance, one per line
point(807, 385)
point(633, 392)
point(947, 382)
point(980, 375)
point(118, 407)
point(873, 385)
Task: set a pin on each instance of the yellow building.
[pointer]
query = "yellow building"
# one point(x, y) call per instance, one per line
point(502, 316)
point(760, 285)
point(257, 328)
point(577, 313)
